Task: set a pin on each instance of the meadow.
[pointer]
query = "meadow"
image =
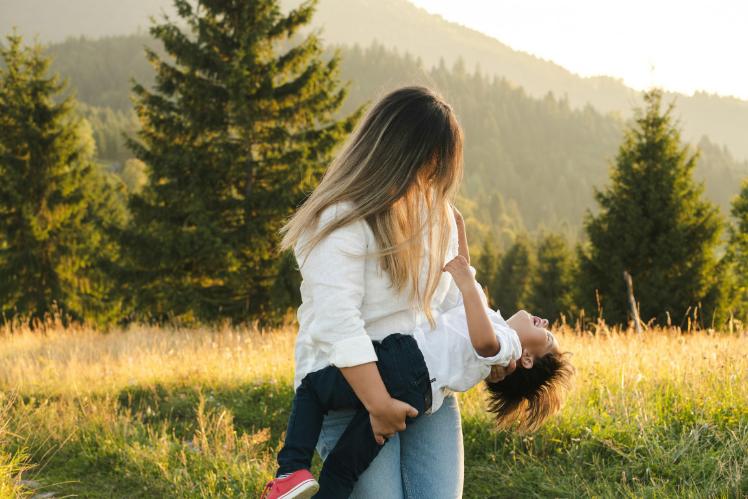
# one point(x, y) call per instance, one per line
point(170, 412)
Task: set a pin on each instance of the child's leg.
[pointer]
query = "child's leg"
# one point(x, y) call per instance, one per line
point(406, 378)
point(353, 453)
point(302, 433)
point(318, 393)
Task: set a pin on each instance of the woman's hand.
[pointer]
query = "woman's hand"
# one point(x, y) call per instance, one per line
point(498, 373)
point(390, 419)
point(387, 415)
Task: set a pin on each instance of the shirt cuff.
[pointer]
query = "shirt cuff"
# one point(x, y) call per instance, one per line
point(510, 348)
point(352, 352)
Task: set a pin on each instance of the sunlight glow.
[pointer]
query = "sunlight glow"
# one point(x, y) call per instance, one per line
point(684, 45)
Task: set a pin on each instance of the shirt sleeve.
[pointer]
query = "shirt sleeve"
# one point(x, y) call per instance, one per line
point(510, 347)
point(334, 270)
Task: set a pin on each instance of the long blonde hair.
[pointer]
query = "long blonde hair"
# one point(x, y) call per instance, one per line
point(404, 156)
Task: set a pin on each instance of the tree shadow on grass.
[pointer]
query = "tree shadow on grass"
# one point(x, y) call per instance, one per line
point(254, 406)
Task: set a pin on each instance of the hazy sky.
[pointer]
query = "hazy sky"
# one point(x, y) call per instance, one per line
point(682, 45)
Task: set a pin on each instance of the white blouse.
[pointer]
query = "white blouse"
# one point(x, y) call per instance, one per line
point(452, 362)
point(348, 301)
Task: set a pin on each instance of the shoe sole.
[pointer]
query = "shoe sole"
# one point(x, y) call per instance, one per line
point(304, 490)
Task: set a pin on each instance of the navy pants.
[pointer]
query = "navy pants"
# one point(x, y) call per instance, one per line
point(406, 378)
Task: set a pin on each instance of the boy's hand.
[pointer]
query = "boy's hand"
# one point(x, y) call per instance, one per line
point(458, 217)
point(462, 249)
point(390, 419)
point(460, 270)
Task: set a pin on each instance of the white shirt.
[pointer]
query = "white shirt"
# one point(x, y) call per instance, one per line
point(453, 363)
point(348, 301)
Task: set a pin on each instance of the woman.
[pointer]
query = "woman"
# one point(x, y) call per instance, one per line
point(371, 242)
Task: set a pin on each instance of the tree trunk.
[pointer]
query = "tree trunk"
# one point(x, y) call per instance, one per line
point(632, 302)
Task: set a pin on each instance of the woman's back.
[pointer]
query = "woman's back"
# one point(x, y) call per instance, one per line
point(407, 148)
point(347, 300)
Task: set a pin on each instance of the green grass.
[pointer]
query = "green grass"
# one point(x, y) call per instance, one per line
point(152, 412)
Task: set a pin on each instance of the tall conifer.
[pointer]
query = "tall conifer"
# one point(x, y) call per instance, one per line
point(55, 202)
point(654, 223)
point(235, 134)
point(553, 280)
point(736, 259)
point(510, 289)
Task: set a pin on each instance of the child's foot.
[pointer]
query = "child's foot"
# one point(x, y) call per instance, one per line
point(299, 484)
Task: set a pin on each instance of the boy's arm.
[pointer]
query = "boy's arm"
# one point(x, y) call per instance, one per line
point(461, 236)
point(480, 329)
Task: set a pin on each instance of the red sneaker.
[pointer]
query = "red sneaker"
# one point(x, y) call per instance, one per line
point(299, 484)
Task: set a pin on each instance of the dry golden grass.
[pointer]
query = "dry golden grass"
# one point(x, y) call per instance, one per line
point(623, 370)
point(83, 361)
point(200, 412)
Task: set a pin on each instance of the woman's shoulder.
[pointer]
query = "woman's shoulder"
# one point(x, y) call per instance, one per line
point(335, 211)
point(338, 210)
point(357, 231)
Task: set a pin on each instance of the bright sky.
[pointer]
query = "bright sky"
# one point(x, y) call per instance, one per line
point(681, 45)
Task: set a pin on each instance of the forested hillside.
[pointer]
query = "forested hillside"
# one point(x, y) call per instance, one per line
point(529, 162)
point(398, 23)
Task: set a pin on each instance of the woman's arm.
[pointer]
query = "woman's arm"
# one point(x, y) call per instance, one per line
point(480, 328)
point(334, 271)
point(387, 415)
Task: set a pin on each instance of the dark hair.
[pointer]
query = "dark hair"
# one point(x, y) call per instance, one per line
point(530, 396)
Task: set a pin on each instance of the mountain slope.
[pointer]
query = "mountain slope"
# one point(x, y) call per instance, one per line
point(400, 24)
point(529, 162)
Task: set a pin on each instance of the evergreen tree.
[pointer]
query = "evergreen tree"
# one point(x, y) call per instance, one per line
point(55, 203)
point(486, 266)
point(235, 133)
point(654, 223)
point(511, 286)
point(736, 259)
point(493, 112)
point(553, 280)
point(133, 175)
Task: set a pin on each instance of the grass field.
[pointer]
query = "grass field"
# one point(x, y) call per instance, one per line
point(153, 412)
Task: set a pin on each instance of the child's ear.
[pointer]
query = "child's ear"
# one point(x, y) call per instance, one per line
point(526, 360)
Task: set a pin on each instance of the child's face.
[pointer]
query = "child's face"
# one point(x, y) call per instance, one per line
point(535, 339)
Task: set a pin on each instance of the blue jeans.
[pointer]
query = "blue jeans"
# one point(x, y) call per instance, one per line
point(424, 461)
point(405, 376)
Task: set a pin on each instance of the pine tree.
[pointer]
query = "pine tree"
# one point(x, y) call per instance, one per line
point(238, 129)
point(511, 286)
point(486, 267)
point(553, 280)
point(654, 223)
point(55, 203)
point(736, 259)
